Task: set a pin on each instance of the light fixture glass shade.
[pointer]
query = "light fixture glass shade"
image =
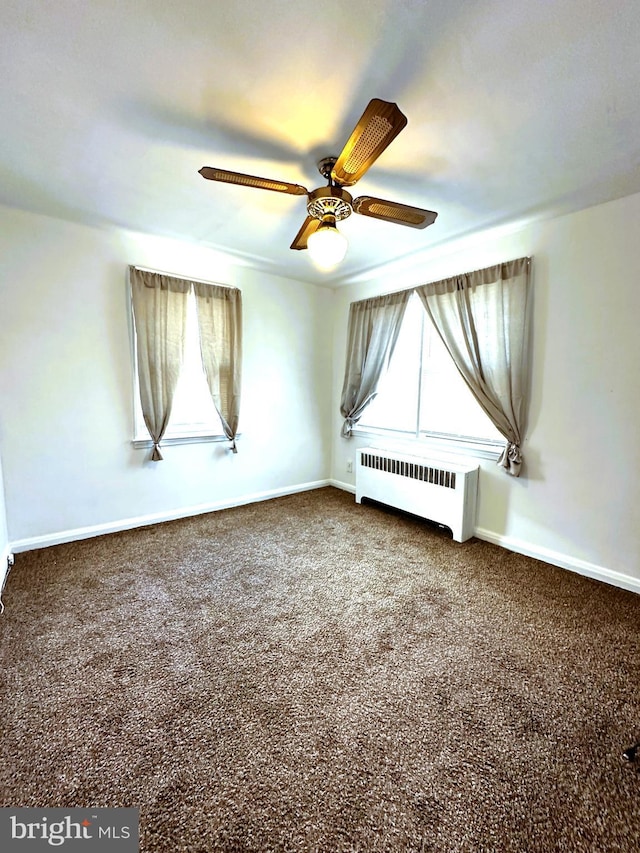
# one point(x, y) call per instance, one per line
point(327, 246)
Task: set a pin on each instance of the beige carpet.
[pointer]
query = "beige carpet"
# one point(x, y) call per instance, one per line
point(307, 674)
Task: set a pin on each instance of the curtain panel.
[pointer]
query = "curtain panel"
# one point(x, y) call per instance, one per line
point(160, 318)
point(220, 325)
point(374, 325)
point(482, 318)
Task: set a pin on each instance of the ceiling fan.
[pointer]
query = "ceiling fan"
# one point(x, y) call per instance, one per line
point(378, 126)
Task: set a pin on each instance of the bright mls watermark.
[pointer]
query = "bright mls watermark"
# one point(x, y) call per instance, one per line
point(80, 830)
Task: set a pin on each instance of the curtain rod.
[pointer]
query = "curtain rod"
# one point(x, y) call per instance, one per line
point(182, 278)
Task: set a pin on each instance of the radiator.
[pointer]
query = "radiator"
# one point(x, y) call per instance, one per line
point(435, 489)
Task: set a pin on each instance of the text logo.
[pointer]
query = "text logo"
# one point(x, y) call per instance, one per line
point(104, 830)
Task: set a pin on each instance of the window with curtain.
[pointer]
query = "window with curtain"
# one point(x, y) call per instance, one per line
point(422, 394)
point(459, 370)
point(187, 359)
point(193, 413)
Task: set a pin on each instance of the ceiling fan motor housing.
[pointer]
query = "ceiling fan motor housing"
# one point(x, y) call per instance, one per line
point(332, 201)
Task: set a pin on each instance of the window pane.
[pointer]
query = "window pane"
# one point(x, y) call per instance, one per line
point(193, 412)
point(193, 408)
point(396, 405)
point(447, 405)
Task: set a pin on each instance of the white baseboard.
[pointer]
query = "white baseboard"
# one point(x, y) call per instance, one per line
point(63, 536)
point(555, 558)
point(346, 487)
point(563, 561)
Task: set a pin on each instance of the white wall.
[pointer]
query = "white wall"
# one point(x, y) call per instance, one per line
point(578, 501)
point(66, 384)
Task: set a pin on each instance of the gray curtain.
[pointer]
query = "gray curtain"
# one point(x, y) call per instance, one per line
point(374, 325)
point(220, 325)
point(482, 318)
point(160, 314)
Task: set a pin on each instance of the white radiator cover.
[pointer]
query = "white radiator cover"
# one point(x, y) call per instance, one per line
point(440, 490)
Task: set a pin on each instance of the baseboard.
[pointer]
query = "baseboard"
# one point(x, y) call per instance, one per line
point(63, 536)
point(555, 558)
point(346, 487)
point(547, 555)
point(563, 561)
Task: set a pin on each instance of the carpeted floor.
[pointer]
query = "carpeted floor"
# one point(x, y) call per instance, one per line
point(307, 674)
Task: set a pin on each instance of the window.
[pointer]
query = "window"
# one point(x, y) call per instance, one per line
point(193, 414)
point(187, 359)
point(422, 394)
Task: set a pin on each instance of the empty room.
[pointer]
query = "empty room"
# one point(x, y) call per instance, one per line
point(319, 468)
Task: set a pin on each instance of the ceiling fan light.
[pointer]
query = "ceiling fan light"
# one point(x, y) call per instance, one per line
point(327, 246)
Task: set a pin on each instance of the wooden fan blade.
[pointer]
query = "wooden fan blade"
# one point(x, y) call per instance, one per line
point(212, 174)
point(309, 227)
point(392, 211)
point(379, 125)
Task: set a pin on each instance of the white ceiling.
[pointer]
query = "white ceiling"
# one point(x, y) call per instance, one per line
point(516, 109)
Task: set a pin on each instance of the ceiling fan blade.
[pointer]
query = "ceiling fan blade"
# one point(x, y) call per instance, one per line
point(309, 227)
point(392, 211)
point(226, 177)
point(379, 125)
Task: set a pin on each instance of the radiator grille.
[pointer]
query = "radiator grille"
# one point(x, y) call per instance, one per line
point(413, 470)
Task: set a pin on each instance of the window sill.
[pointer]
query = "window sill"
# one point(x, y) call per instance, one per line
point(477, 448)
point(147, 444)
